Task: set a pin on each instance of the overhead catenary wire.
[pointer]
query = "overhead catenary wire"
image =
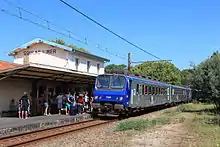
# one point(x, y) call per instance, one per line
point(104, 27)
point(69, 34)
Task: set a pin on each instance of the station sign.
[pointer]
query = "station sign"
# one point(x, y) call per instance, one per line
point(49, 51)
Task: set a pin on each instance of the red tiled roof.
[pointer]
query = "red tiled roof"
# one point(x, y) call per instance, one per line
point(7, 65)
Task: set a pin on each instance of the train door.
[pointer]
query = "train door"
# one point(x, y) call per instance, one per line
point(168, 94)
point(134, 93)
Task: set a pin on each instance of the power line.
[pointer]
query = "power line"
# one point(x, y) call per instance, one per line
point(48, 27)
point(137, 62)
point(129, 42)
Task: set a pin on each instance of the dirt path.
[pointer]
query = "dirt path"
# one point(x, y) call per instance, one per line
point(172, 135)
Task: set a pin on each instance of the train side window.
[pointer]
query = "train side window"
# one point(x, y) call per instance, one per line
point(140, 89)
point(150, 90)
point(153, 90)
point(137, 89)
point(146, 90)
point(159, 90)
point(143, 90)
point(173, 92)
point(163, 91)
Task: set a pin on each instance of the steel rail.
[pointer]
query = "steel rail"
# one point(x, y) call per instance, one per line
point(77, 126)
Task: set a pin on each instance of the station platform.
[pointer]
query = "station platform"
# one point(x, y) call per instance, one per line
point(14, 126)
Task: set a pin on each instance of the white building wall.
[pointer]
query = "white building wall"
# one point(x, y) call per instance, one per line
point(19, 58)
point(12, 89)
point(59, 58)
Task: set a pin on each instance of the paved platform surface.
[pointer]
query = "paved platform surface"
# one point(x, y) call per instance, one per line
point(14, 126)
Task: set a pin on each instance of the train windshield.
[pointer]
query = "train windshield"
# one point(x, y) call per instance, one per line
point(103, 81)
point(110, 82)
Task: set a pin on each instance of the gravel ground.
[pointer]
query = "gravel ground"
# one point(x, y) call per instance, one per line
point(103, 136)
point(172, 135)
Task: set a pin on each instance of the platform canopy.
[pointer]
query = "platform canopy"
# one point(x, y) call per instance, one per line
point(39, 71)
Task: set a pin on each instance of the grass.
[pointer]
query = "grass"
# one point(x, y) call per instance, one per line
point(166, 117)
point(141, 124)
point(196, 107)
point(207, 130)
point(205, 126)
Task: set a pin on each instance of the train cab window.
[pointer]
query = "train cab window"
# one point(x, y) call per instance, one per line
point(129, 86)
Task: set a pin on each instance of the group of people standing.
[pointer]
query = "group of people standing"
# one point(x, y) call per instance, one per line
point(74, 103)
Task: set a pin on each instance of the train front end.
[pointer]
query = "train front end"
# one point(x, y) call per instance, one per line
point(111, 95)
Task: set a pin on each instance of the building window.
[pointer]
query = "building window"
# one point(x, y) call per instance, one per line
point(88, 66)
point(98, 68)
point(77, 63)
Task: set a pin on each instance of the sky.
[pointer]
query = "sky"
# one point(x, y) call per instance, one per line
point(183, 31)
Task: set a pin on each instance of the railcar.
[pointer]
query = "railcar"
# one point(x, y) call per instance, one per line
point(117, 94)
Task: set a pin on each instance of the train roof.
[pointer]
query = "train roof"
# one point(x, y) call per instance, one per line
point(142, 79)
point(151, 81)
point(175, 86)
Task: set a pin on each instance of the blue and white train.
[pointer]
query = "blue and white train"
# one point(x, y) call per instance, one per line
point(117, 94)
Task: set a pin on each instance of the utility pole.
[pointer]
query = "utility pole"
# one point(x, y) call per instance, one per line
point(129, 61)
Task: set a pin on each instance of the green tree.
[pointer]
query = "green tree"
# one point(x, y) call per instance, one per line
point(163, 71)
point(111, 67)
point(186, 77)
point(207, 79)
point(61, 42)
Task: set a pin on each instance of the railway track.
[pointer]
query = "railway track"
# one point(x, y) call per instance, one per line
point(32, 137)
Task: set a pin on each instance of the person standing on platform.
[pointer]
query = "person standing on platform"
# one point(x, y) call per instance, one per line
point(81, 102)
point(86, 100)
point(46, 105)
point(24, 105)
point(90, 102)
point(19, 108)
point(73, 106)
point(50, 102)
point(68, 103)
point(59, 102)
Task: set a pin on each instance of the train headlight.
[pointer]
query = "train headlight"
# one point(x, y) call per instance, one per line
point(121, 98)
point(96, 97)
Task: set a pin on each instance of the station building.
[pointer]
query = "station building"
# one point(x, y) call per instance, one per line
point(42, 66)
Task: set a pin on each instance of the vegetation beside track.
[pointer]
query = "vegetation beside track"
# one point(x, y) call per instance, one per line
point(204, 125)
point(140, 124)
point(199, 121)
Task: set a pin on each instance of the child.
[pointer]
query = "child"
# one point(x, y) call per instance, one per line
point(19, 108)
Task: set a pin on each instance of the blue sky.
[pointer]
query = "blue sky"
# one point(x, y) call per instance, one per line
point(181, 31)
